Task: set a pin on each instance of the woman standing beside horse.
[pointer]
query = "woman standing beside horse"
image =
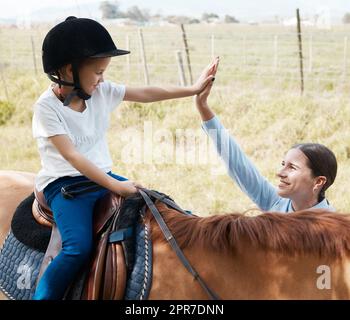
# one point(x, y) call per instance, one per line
point(308, 169)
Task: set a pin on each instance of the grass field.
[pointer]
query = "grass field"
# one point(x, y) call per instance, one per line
point(256, 95)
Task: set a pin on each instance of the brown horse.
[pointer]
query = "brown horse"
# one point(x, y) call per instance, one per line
point(302, 255)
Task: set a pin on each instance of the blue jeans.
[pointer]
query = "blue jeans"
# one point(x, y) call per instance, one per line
point(74, 222)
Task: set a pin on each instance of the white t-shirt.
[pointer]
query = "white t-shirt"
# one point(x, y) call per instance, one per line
point(87, 130)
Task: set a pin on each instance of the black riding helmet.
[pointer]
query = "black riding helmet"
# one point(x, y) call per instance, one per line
point(71, 41)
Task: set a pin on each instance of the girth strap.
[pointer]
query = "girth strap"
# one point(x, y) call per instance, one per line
point(169, 237)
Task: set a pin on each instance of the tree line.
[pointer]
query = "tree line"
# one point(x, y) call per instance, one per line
point(111, 10)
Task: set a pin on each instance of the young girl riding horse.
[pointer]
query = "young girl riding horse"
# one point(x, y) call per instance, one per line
point(70, 122)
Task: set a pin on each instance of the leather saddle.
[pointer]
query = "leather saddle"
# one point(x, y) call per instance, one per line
point(107, 273)
point(108, 269)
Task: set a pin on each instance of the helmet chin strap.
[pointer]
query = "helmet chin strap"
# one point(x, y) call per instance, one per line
point(77, 90)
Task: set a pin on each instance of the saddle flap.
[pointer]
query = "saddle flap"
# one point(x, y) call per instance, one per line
point(105, 208)
point(121, 275)
point(115, 273)
point(108, 271)
point(93, 284)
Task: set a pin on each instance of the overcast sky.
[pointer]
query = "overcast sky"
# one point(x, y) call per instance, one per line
point(242, 9)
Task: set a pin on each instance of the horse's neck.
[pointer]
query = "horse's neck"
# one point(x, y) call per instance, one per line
point(247, 273)
point(255, 273)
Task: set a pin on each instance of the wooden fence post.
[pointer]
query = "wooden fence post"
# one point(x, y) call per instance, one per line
point(300, 53)
point(143, 57)
point(180, 65)
point(33, 54)
point(184, 37)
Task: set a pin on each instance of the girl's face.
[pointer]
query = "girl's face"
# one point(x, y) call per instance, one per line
point(296, 179)
point(91, 73)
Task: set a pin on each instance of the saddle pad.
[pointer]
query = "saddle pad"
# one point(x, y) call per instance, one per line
point(19, 269)
point(26, 229)
point(140, 279)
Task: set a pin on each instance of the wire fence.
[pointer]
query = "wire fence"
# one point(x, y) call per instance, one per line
point(251, 55)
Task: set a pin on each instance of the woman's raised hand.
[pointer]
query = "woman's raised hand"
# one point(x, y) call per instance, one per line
point(206, 76)
point(201, 97)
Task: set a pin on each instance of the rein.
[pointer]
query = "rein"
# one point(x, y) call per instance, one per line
point(169, 237)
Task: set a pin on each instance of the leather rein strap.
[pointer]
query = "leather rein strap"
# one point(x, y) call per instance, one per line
point(169, 237)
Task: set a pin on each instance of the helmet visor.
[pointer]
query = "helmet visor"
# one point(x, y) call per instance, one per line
point(111, 53)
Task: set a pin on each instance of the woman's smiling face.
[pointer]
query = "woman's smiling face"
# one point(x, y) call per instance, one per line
point(296, 178)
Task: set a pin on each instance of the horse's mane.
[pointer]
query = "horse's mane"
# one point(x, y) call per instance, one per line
point(319, 232)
